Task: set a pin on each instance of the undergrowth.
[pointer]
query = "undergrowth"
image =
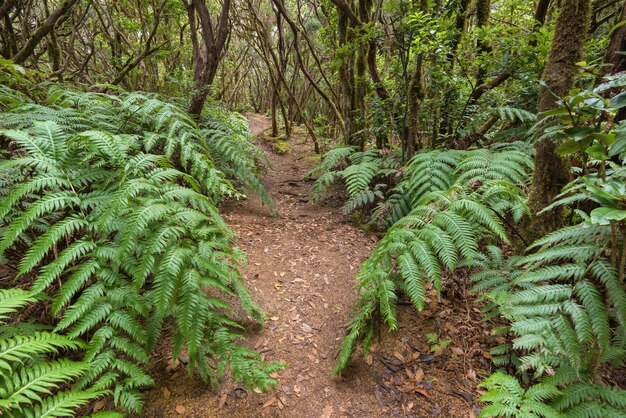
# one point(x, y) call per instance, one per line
point(564, 300)
point(109, 211)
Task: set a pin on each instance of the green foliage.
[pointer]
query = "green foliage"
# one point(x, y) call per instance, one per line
point(30, 382)
point(508, 399)
point(442, 229)
point(216, 152)
point(445, 206)
point(370, 176)
point(566, 304)
point(440, 170)
point(115, 217)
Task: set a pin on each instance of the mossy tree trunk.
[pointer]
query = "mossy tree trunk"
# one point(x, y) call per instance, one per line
point(551, 172)
point(209, 50)
point(483, 9)
point(617, 45)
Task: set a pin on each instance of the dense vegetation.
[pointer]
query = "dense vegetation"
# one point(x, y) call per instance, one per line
point(483, 136)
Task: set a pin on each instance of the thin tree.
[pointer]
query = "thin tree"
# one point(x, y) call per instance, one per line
point(207, 51)
point(551, 172)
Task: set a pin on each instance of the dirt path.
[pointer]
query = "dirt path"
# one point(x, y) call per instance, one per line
point(301, 267)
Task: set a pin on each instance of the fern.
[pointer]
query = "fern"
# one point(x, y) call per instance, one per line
point(358, 170)
point(508, 399)
point(31, 384)
point(512, 114)
point(566, 306)
point(440, 170)
point(363, 199)
point(443, 229)
point(124, 242)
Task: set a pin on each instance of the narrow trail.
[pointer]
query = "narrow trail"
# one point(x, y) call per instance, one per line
point(301, 267)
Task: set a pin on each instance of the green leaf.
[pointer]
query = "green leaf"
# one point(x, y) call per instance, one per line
point(604, 216)
point(569, 147)
point(597, 151)
point(619, 101)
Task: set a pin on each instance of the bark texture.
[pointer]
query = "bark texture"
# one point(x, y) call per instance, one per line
point(617, 44)
point(208, 53)
point(551, 172)
point(46, 27)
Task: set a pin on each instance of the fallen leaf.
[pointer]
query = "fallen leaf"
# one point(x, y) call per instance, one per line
point(419, 375)
point(180, 409)
point(399, 356)
point(99, 405)
point(423, 393)
point(486, 354)
point(369, 360)
point(327, 412)
point(406, 387)
point(306, 328)
point(222, 401)
point(269, 402)
point(457, 351)
point(277, 286)
point(166, 393)
point(274, 318)
point(172, 365)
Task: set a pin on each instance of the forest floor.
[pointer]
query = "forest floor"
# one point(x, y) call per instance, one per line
point(301, 268)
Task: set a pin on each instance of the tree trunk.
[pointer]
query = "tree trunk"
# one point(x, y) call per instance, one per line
point(206, 57)
point(617, 44)
point(551, 172)
point(273, 113)
point(451, 94)
point(47, 26)
point(6, 6)
point(414, 98)
point(483, 9)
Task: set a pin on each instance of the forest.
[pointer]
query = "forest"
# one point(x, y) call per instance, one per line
point(314, 208)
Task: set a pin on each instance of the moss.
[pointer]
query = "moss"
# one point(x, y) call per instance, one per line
point(315, 158)
point(280, 147)
point(358, 221)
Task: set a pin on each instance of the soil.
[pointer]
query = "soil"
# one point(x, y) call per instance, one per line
point(301, 268)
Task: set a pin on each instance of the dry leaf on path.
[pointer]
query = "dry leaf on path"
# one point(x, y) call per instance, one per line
point(180, 409)
point(457, 350)
point(423, 393)
point(166, 393)
point(269, 402)
point(99, 405)
point(327, 412)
